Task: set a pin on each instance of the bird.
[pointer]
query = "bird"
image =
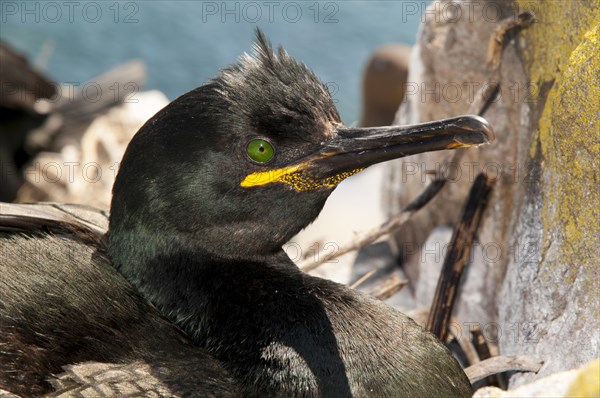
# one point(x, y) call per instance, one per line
point(207, 193)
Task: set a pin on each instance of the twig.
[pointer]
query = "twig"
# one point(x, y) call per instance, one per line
point(484, 352)
point(384, 229)
point(496, 42)
point(420, 316)
point(458, 256)
point(489, 90)
point(388, 288)
point(466, 345)
point(501, 364)
point(362, 279)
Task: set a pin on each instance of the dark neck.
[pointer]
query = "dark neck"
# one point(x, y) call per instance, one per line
point(248, 312)
point(185, 284)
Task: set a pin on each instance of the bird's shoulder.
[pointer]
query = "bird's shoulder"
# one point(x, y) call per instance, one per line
point(66, 310)
point(325, 335)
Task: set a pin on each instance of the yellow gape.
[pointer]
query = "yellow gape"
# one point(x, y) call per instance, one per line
point(294, 176)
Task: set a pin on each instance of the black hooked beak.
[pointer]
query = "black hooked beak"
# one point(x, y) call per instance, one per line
point(358, 148)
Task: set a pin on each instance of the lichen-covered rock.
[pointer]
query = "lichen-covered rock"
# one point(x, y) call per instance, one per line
point(559, 295)
point(538, 253)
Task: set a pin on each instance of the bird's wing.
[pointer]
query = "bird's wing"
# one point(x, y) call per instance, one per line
point(87, 223)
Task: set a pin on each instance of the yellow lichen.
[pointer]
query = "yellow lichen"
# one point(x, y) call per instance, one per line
point(587, 383)
point(558, 27)
point(569, 124)
point(563, 47)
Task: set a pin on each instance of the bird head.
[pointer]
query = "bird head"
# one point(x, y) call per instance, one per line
point(241, 164)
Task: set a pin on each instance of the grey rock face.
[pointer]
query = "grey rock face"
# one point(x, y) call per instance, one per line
point(534, 272)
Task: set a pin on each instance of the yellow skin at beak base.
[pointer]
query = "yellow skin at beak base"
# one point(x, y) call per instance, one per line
point(295, 177)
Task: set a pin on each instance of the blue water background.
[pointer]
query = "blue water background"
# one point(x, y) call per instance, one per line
point(183, 43)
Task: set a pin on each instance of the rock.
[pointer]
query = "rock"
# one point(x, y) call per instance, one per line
point(38, 115)
point(539, 238)
point(583, 382)
point(85, 172)
point(21, 86)
point(551, 282)
point(384, 84)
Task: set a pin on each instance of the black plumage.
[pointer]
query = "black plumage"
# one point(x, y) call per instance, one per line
point(61, 303)
point(200, 239)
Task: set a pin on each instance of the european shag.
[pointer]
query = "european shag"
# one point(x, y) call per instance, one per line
point(208, 191)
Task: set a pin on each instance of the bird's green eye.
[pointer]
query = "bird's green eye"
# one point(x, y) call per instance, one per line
point(260, 150)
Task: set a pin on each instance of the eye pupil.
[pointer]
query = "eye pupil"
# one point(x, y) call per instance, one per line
point(260, 150)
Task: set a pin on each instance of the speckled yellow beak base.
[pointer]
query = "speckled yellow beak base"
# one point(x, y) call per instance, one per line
point(296, 177)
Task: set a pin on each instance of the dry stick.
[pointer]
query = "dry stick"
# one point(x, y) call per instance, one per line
point(500, 364)
point(362, 279)
point(465, 344)
point(496, 42)
point(484, 352)
point(458, 256)
point(420, 316)
point(387, 227)
point(388, 287)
